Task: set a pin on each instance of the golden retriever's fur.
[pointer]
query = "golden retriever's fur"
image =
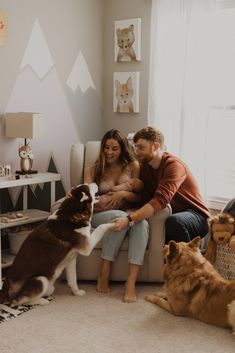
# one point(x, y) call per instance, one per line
point(194, 288)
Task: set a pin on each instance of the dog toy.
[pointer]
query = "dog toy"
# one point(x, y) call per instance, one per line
point(222, 231)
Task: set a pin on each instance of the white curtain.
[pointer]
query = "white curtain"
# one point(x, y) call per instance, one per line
point(186, 80)
point(192, 74)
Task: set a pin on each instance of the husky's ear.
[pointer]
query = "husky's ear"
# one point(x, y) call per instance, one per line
point(173, 249)
point(195, 243)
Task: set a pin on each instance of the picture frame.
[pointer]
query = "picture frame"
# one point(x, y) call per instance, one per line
point(127, 40)
point(126, 92)
point(3, 28)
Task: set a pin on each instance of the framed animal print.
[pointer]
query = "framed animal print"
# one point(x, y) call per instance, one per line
point(3, 28)
point(126, 92)
point(127, 39)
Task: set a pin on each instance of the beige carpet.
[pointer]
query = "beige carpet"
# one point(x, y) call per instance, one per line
point(98, 323)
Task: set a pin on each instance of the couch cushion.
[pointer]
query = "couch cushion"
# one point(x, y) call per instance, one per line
point(92, 150)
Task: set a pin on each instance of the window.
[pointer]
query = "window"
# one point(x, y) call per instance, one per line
point(220, 155)
point(192, 88)
point(220, 139)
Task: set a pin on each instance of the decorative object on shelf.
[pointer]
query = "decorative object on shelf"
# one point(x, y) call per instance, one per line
point(2, 171)
point(126, 92)
point(127, 39)
point(5, 170)
point(3, 28)
point(12, 217)
point(15, 176)
point(26, 159)
point(26, 125)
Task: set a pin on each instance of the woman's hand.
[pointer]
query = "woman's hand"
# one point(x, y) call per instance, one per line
point(116, 197)
point(120, 223)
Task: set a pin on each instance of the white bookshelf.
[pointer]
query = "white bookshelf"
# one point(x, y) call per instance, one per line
point(33, 215)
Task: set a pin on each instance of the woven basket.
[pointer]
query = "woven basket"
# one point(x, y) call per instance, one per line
point(225, 261)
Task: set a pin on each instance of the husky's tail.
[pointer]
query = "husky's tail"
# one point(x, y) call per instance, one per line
point(231, 315)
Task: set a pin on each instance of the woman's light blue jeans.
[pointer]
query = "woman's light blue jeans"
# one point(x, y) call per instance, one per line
point(138, 237)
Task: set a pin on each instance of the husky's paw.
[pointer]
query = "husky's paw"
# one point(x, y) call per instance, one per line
point(42, 301)
point(105, 227)
point(79, 292)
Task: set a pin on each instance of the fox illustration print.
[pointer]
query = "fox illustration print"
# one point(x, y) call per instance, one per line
point(124, 95)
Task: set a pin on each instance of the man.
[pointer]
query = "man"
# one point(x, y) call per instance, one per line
point(167, 180)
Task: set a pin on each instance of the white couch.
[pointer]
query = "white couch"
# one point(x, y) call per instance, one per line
point(87, 267)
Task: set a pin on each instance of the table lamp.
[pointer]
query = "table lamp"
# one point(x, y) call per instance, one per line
point(25, 125)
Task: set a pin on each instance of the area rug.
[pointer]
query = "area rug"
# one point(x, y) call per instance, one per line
point(8, 311)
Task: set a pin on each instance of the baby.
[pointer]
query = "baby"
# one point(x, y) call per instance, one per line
point(132, 185)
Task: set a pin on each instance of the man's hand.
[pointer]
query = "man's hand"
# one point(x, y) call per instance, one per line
point(120, 224)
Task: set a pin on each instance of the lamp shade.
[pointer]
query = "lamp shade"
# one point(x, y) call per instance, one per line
point(25, 125)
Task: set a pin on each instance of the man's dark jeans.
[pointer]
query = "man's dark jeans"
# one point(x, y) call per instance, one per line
point(184, 226)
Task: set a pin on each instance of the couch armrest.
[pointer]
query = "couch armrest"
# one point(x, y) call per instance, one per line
point(76, 163)
point(82, 156)
point(156, 244)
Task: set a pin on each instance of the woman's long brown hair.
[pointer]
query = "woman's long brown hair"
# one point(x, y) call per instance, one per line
point(126, 155)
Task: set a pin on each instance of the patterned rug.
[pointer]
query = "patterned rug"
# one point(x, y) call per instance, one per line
point(8, 312)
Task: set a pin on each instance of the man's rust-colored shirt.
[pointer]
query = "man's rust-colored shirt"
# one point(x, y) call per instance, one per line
point(172, 183)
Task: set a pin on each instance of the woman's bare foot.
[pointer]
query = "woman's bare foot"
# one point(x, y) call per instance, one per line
point(103, 279)
point(103, 283)
point(130, 293)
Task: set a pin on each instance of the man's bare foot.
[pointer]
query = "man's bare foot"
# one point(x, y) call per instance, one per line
point(130, 293)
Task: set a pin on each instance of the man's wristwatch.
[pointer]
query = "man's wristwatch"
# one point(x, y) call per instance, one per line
point(131, 222)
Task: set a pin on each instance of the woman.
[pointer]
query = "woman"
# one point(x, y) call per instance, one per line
point(115, 165)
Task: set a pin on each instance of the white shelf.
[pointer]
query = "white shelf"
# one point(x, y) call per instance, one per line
point(32, 179)
point(34, 216)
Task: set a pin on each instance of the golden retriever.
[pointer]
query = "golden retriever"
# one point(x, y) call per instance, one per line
point(194, 288)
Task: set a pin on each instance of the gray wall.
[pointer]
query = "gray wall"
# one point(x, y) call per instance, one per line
point(68, 26)
point(120, 10)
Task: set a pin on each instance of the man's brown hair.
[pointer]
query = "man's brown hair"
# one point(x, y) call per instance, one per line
point(150, 134)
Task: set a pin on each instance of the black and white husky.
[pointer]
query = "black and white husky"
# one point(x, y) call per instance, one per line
point(53, 247)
